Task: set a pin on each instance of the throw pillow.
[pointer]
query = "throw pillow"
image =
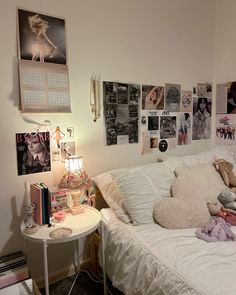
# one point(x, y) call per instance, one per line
point(186, 209)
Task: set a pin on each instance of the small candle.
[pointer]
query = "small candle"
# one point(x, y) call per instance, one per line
point(27, 193)
point(59, 216)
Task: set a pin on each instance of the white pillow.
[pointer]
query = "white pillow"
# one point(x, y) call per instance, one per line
point(205, 177)
point(141, 187)
point(111, 195)
point(218, 152)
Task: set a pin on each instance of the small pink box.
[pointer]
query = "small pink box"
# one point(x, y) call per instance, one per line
point(59, 216)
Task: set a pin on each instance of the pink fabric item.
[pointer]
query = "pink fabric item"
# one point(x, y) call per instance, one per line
point(229, 217)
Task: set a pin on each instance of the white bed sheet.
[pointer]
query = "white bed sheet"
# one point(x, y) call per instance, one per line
point(150, 260)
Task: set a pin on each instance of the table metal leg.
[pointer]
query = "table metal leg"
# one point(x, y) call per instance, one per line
point(45, 262)
point(103, 261)
point(77, 264)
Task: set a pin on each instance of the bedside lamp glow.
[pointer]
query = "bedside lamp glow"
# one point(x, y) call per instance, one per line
point(76, 180)
point(74, 163)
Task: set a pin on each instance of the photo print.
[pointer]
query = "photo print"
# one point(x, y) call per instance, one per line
point(221, 98)
point(111, 132)
point(134, 94)
point(41, 37)
point(153, 142)
point(225, 128)
point(172, 97)
point(33, 152)
point(226, 98)
point(122, 119)
point(152, 97)
point(201, 118)
point(201, 89)
point(153, 122)
point(184, 129)
point(70, 132)
point(110, 92)
point(209, 90)
point(133, 130)
point(122, 93)
point(67, 150)
point(186, 104)
point(144, 120)
point(231, 98)
point(167, 127)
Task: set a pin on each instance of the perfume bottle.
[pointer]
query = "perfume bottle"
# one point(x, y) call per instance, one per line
point(31, 226)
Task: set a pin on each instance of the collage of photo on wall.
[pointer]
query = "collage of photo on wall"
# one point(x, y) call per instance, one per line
point(121, 112)
point(167, 113)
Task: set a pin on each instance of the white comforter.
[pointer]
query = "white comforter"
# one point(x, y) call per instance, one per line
point(150, 260)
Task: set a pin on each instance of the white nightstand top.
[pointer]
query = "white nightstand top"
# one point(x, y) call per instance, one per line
point(81, 225)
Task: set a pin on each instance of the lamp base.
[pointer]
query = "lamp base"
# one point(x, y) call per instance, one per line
point(77, 209)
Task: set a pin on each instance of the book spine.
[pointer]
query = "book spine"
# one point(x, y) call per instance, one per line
point(46, 204)
point(43, 205)
point(36, 199)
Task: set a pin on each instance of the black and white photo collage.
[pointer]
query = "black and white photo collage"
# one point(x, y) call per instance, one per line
point(161, 116)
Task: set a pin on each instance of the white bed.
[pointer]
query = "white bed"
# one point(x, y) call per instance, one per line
point(143, 258)
point(150, 260)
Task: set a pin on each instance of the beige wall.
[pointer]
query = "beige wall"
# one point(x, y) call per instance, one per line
point(141, 41)
point(225, 41)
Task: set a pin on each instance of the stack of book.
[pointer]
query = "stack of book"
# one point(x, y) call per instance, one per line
point(13, 269)
point(40, 198)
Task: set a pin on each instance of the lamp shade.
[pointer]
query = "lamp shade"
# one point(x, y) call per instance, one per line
point(74, 163)
point(76, 178)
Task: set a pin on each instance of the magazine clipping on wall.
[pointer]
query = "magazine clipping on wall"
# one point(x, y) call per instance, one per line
point(41, 37)
point(172, 97)
point(186, 103)
point(33, 152)
point(226, 98)
point(225, 129)
point(184, 128)
point(67, 150)
point(121, 112)
point(152, 97)
point(202, 108)
point(168, 125)
point(150, 128)
point(145, 143)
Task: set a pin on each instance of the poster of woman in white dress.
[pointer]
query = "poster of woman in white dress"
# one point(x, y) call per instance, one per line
point(41, 37)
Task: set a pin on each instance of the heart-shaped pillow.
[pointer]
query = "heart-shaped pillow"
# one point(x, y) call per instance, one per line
point(186, 209)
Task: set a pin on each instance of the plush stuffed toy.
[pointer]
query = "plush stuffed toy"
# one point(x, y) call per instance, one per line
point(225, 169)
point(214, 207)
point(217, 209)
point(228, 199)
point(216, 230)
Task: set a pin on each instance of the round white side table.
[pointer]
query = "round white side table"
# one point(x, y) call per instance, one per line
point(81, 225)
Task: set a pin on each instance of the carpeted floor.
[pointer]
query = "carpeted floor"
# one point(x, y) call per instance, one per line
point(86, 284)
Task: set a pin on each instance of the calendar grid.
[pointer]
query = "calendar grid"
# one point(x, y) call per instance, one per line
point(44, 87)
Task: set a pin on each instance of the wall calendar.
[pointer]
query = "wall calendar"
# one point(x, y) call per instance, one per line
point(44, 87)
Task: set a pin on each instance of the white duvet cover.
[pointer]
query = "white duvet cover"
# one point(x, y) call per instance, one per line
point(150, 260)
